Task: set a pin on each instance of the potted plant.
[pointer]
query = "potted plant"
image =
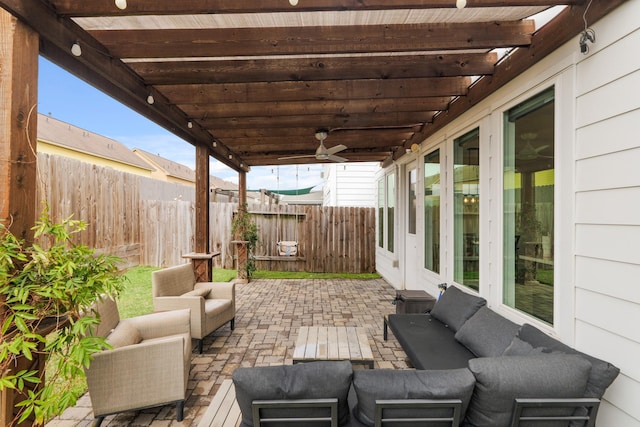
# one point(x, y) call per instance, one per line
point(245, 235)
point(46, 291)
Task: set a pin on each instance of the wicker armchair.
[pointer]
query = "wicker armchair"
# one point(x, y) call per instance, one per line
point(148, 365)
point(212, 304)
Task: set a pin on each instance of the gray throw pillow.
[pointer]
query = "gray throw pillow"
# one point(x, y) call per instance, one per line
point(602, 373)
point(517, 347)
point(455, 306)
point(372, 385)
point(314, 380)
point(486, 333)
point(500, 380)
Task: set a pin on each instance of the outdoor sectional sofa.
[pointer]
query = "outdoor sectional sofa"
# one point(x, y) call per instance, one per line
point(475, 368)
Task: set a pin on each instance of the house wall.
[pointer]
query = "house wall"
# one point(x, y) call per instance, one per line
point(597, 208)
point(58, 150)
point(351, 184)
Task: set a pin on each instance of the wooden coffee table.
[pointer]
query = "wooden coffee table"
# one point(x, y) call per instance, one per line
point(316, 343)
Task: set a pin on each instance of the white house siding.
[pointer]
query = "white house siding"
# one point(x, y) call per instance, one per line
point(607, 223)
point(351, 184)
point(597, 261)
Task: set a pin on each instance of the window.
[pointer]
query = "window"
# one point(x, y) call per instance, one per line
point(529, 206)
point(391, 191)
point(381, 206)
point(466, 215)
point(432, 211)
point(411, 197)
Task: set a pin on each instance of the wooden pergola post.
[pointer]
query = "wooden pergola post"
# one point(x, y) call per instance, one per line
point(19, 47)
point(202, 259)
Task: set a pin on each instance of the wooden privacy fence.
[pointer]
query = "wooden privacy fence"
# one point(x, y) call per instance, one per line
point(158, 233)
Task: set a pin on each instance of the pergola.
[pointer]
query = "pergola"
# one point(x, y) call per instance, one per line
point(250, 82)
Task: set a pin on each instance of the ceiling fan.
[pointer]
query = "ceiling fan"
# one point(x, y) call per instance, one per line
point(322, 152)
point(529, 152)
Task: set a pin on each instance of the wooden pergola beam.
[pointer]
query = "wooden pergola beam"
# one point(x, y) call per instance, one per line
point(187, 7)
point(225, 42)
point(318, 68)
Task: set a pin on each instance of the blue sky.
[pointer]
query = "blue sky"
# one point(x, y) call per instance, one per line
point(67, 98)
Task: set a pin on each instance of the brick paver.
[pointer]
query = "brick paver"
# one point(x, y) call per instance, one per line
point(268, 316)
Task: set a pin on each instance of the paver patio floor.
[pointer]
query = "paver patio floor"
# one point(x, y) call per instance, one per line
point(268, 316)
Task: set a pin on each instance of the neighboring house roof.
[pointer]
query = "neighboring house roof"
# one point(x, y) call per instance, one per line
point(59, 133)
point(219, 183)
point(170, 168)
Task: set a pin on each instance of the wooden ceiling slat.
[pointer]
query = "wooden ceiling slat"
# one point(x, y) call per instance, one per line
point(223, 42)
point(187, 7)
point(380, 120)
point(308, 142)
point(248, 134)
point(299, 108)
point(316, 91)
point(303, 69)
point(268, 160)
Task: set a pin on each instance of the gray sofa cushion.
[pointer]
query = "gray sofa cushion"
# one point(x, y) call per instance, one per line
point(417, 334)
point(602, 373)
point(455, 306)
point(500, 380)
point(486, 333)
point(314, 380)
point(371, 385)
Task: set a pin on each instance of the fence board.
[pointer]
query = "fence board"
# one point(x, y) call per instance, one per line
point(157, 232)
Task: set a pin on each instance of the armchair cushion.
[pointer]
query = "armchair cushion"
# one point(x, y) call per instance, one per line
point(198, 292)
point(500, 380)
point(455, 306)
point(124, 334)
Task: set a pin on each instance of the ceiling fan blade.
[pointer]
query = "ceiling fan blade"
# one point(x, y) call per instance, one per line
point(336, 149)
point(296, 157)
point(336, 158)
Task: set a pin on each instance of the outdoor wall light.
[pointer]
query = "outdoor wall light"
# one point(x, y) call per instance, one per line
point(230, 156)
point(76, 50)
point(215, 144)
point(121, 4)
point(150, 99)
point(190, 124)
point(460, 4)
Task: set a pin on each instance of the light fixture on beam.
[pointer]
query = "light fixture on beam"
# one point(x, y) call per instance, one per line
point(190, 124)
point(150, 99)
point(293, 2)
point(76, 50)
point(121, 4)
point(460, 4)
point(230, 156)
